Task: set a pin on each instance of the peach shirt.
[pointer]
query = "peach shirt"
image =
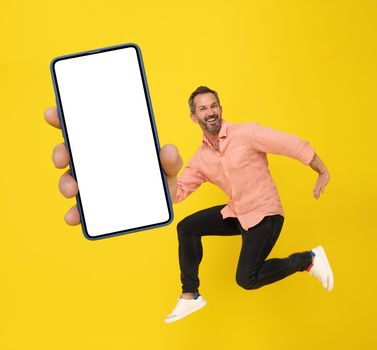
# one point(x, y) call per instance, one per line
point(240, 169)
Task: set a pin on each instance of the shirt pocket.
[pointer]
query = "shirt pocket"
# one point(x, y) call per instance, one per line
point(239, 157)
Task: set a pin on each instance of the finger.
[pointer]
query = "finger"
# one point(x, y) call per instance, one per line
point(68, 185)
point(51, 117)
point(316, 193)
point(321, 188)
point(171, 160)
point(60, 156)
point(73, 216)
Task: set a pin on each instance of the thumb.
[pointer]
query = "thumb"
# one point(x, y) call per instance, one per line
point(171, 160)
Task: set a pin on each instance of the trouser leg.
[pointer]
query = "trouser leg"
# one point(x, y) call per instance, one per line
point(253, 270)
point(190, 231)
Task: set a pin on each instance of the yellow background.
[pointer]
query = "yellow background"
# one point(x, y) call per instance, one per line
point(305, 67)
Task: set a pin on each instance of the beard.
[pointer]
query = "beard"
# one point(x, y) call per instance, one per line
point(211, 123)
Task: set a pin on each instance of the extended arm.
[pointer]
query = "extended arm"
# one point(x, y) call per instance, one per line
point(323, 177)
point(190, 179)
point(273, 141)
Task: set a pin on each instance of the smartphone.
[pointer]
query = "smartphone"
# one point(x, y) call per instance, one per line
point(109, 130)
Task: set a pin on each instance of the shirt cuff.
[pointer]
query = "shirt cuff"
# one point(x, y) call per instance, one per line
point(308, 155)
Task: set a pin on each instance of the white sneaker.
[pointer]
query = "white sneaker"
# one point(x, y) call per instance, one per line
point(321, 268)
point(186, 307)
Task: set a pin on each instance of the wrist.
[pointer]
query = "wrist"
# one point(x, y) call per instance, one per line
point(324, 172)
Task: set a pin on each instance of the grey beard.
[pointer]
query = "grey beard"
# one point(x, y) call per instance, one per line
point(215, 129)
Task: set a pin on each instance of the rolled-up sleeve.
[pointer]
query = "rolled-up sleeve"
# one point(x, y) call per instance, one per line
point(189, 180)
point(273, 141)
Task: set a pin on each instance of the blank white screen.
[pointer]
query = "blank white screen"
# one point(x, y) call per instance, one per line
point(111, 140)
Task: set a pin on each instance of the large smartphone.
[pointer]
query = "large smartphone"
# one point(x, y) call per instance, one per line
point(109, 130)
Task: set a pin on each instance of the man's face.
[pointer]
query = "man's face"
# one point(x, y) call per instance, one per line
point(207, 113)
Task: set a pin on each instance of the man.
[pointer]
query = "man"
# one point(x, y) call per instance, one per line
point(233, 157)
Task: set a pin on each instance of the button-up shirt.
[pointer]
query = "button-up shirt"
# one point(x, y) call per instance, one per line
point(240, 169)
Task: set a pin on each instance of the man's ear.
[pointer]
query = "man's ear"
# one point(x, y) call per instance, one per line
point(194, 118)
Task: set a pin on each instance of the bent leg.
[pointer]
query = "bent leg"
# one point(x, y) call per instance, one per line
point(253, 270)
point(190, 231)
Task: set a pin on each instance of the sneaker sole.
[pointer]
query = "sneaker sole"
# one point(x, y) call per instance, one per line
point(330, 280)
point(173, 319)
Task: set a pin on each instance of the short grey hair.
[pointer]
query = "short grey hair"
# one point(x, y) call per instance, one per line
point(198, 91)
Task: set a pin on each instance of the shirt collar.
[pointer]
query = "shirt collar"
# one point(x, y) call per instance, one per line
point(222, 133)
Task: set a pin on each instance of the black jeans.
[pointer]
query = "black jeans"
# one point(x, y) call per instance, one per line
point(253, 270)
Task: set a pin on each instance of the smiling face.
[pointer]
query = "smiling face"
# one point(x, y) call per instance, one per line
point(207, 113)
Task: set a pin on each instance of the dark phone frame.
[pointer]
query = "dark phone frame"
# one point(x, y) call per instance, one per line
point(152, 123)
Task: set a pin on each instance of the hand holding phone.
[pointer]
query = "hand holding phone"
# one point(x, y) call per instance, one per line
point(170, 159)
point(108, 127)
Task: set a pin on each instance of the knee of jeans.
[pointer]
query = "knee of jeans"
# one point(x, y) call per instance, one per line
point(181, 228)
point(247, 283)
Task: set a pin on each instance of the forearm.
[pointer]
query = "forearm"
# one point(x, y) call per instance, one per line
point(268, 140)
point(190, 178)
point(317, 165)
